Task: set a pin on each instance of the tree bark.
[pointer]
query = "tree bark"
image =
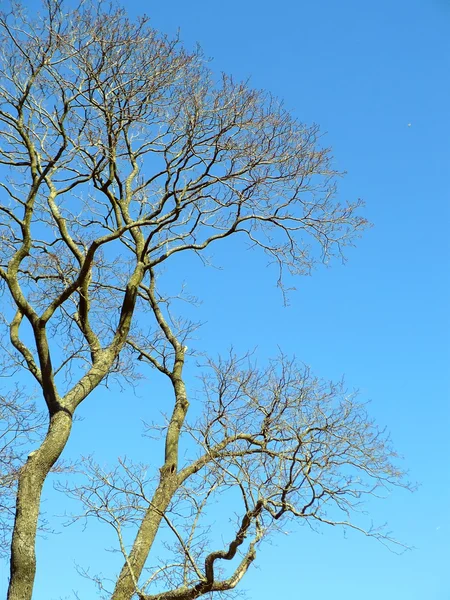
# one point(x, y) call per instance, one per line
point(132, 569)
point(31, 481)
point(127, 582)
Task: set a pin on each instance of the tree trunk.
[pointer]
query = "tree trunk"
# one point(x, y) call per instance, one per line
point(127, 581)
point(31, 481)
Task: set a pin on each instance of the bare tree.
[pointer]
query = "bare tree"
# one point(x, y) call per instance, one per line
point(120, 150)
point(271, 446)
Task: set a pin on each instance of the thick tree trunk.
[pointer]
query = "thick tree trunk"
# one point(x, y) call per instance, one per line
point(127, 581)
point(31, 481)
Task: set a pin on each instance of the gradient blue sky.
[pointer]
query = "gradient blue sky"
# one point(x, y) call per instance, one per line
point(375, 77)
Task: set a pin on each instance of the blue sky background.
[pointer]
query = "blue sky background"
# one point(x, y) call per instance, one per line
point(375, 77)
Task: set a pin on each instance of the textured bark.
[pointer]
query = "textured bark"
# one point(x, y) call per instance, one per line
point(127, 581)
point(35, 471)
point(31, 481)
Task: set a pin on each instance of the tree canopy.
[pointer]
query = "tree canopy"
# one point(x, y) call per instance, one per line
point(119, 150)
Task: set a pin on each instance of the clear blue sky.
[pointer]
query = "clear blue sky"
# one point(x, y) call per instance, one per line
point(375, 77)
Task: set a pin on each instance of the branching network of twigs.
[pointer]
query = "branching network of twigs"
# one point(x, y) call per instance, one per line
point(118, 151)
